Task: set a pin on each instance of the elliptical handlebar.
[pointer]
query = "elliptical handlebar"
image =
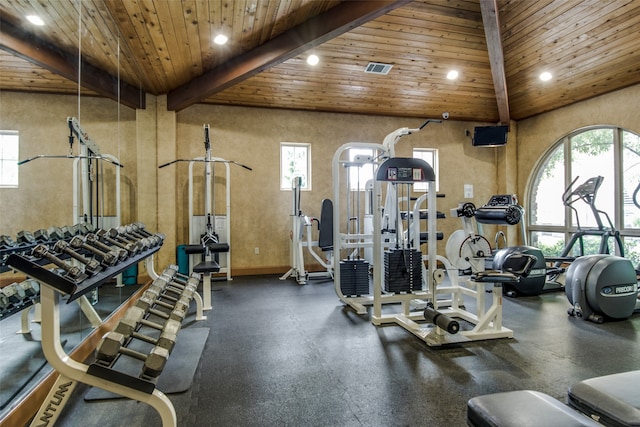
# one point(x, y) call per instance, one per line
point(586, 191)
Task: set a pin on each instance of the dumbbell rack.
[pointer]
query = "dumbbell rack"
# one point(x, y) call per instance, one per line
point(53, 286)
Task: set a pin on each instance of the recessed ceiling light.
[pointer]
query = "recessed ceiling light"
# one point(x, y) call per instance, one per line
point(220, 39)
point(452, 75)
point(313, 60)
point(35, 20)
point(545, 76)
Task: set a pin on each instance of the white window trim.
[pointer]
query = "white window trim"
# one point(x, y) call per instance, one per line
point(11, 133)
point(422, 186)
point(299, 144)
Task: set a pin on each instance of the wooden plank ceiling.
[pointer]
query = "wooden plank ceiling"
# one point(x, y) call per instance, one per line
point(499, 48)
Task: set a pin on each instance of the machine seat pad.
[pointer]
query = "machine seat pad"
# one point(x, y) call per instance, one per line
point(523, 408)
point(193, 249)
point(612, 399)
point(206, 267)
point(494, 276)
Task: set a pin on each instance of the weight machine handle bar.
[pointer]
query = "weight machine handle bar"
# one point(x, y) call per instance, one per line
point(47, 156)
point(429, 121)
point(204, 161)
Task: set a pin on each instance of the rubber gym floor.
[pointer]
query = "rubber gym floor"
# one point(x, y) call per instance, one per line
point(282, 354)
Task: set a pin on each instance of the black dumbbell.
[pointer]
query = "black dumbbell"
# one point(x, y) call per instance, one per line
point(41, 251)
point(91, 266)
point(108, 258)
point(93, 240)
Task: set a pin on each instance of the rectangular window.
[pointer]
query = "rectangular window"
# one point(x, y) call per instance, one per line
point(8, 159)
point(360, 168)
point(295, 160)
point(429, 155)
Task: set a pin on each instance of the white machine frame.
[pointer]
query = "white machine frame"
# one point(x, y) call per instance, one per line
point(364, 240)
point(301, 237)
point(196, 229)
point(486, 321)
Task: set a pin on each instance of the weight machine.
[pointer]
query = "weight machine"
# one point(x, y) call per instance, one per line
point(208, 232)
point(406, 281)
point(353, 235)
point(469, 250)
point(301, 231)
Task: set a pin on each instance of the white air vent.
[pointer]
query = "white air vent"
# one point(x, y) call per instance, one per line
point(378, 68)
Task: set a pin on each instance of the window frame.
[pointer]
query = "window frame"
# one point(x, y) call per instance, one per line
point(4, 161)
point(422, 186)
point(569, 226)
point(307, 186)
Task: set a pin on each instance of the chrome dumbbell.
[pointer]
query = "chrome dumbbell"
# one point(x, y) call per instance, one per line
point(108, 258)
point(91, 266)
point(109, 237)
point(73, 272)
point(94, 241)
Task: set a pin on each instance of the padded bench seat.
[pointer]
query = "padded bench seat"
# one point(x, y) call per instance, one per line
point(206, 267)
point(523, 408)
point(613, 400)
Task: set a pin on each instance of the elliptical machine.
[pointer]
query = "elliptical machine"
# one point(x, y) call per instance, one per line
point(599, 286)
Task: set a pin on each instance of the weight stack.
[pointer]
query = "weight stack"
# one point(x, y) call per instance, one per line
point(354, 277)
point(402, 270)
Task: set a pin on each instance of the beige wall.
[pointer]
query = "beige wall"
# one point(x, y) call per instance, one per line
point(259, 210)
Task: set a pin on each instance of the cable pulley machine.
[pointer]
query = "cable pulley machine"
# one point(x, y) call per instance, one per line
point(353, 238)
point(84, 174)
point(204, 235)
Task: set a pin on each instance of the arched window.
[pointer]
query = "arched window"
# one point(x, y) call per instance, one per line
point(609, 152)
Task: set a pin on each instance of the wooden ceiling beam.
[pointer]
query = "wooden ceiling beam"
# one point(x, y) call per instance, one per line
point(36, 51)
point(317, 30)
point(491, 22)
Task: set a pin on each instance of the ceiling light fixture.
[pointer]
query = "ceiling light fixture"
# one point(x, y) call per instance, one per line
point(545, 76)
point(220, 39)
point(35, 20)
point(452, 75)
point(313, 60)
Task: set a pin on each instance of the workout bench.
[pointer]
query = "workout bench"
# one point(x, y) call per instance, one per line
point(207, 266)
point(611, 400)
